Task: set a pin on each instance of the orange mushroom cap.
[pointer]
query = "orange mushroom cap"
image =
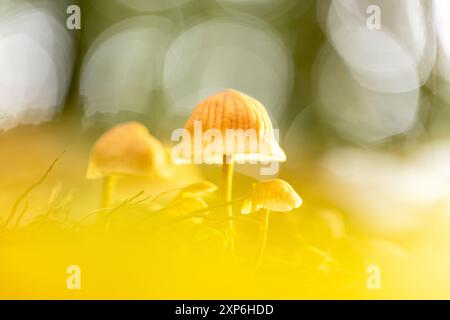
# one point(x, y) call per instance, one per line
point(128, 149)
point(235, 110)
point(274, 195)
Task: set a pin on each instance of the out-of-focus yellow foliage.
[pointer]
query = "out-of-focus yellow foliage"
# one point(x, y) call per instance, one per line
point(174, 246)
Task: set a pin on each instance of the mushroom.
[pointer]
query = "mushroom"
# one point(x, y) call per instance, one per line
point(196, 189)
point(127, 149)
point(234, 111)
point(271, 195)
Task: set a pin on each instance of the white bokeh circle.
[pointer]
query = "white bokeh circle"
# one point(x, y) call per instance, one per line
point(35, 65)
point(123, 66)
point(395, 58)
point(222, 53)
point(357, 113)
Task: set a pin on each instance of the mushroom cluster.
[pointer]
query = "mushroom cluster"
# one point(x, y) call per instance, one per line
point(233, 110)
point(129, 149)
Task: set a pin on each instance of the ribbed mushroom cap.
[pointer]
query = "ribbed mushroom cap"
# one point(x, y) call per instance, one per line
point(128, 149)
point(274, 195)
point(235, 110)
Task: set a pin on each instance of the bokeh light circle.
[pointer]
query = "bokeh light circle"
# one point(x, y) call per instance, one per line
point(359, 114)
point(222, 53)
point(35, 65)
point(397, 57)
point(123, 66)
point(272, 8)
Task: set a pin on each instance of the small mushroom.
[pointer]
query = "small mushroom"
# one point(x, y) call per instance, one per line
point(235, 110)
point(196, 189)
point(271, 195)
point(126, 150)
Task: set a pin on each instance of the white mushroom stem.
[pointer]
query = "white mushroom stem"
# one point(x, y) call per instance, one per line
point(227, 186)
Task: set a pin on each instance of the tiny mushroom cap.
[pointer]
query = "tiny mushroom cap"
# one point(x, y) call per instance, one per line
point(243, 124)
point(273, 195)
point(128, 149)
point(197, 189)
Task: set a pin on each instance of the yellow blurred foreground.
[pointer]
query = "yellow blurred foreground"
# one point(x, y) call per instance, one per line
point(136, 250)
